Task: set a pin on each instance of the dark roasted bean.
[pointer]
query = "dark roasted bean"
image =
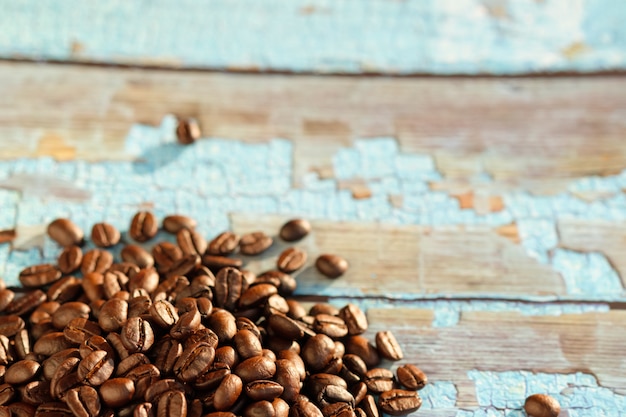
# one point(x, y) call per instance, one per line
point(36, 392)
point(193, 361)
point(39, 275)
point(228, 392)
point(65, 232)
point(187, 132)
point(143, 226)
point(379, 380)
point(318, 352)
point(191, 242)
point(291, 259)
point(254, 243)
point(51, 343)
point(21, 372)
point(215, 262)
point(186, 324)
point(143, 376)
point(263, 390)
point(398, 402)
point(354, 318)
point(294, 229)
point(165, 254)
point(161, 387)
point(332, 266)
point(340, 409)
point(258, 367)
point(105, 235)
point(223, 244)
point(255, 295)
point(137, 335)
point(411, 377)
point(361, 347)
point(137, 255)
point(113, 315)
point(259, 409)
point(96, 368)
point(96, 260)
point(247, 344)
point(331, 326)
point(117, 392)
point(83, 401)
point(70, 259)
point(10, 325)
point(69, 311)
point(388, 346)
point(184, 265)
point(228, 288)
point(80, 329)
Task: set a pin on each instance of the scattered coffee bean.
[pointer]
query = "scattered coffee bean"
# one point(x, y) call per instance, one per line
point(332, 266)
point(294, 230)
point(39, 275)
point(65, 232)
point(254, 243)
point(542, 405)
point(105, 235)
point(291, 259)
point(188, 131)
point(96, 260)
point(137, 255)
point(388, 346)
point(143, 227)
point(397, 402)
point(70, 259)
point(223, 244)
point(411, 377)
point(175, 223)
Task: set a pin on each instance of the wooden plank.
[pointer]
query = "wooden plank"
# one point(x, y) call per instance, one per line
point(354, 36)
point(503, 341)
point(530, 133)
point(410, 262)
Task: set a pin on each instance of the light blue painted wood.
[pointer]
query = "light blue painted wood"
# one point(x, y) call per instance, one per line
point(347, 36)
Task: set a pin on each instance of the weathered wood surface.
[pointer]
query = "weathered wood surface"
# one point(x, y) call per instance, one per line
point(352, 36)
point(531, 133)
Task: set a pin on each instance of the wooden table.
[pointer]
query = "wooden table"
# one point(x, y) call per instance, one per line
point(484, 218)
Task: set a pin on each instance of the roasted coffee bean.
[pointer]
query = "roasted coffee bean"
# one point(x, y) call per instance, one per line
point(215, 263)
point(175, 223)
point(69, 311)
point(227, 355)
point(223, 244)
point(146, 278)
point(51, 343)
point(39, 275)
point(163, 313)
point(6, 297)
point(340, 409)
point(291, 259)
point(6, 353)
point(172, 404)
point(186, 324)
point(188, 131)
point(228, 288)
point(117, 392)
point(65, 377)
point(65, 232)
point(83, 401)
point(259, 409)
point(323, 308)
point(22, 410)
point(143, 226)
point(166, 353)
point(305, 408)
point(285, 327)
point(193, 361)
point(105, 235)
point(113, 282)
point(53, 409)
point(332, 266)
point(247, 344)
point(96, 260)
point(397, 402)
point(10, 325)
point(289, 379)
point(331, 326)
point(379, 380)
point(388, 346)
point(358, 391)
point(191, 242)
point(296, 360)
point(255, 295)
point(143, 376)
point(96, 368)
point(355, 364)
point(228, 392)
point(294, 229)
point(36, 392)
point(137, 255)
point(127, 268)
point(70, 259)
point(354, 318)
point(139, 305)
point(361, 347)
point(369, 406)
point(96, 343)
point(254, 243)
point(21, 342)
point(51, 364)
point(161, 387)
point(93, 285)
point(80, 329)
point(184, 265)
point(165, 254)
point(212, 376)
point(21, 372)
point(255, 368)
point(113, 314)
point(281, 407)
point(131, 362)
point(143, 410)
point(137, 335)
point(65, 289)
point(263, 390)
point(411, 377)
point(542, 405)
point(26, 303)
point(318, 352)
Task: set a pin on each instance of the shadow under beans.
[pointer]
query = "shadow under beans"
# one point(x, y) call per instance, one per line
point(157, 157)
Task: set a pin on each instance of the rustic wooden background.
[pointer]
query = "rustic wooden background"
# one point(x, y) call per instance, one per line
point(481, 306)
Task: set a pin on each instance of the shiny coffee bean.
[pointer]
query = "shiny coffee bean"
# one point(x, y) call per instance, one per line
point(223, 244)
point(542, 405)
point(137, 255)
point(39, 275)
point(411, 377)
point(137, 335)
point(191, 242)
point(105, 235)
point(228, 288)
point(254, 243)
point(354, 318)
point(10, 325)
point(255, 368)
point(96, 260)
point(165, 254)
point(379, 380)
point(291, 259)
point(387, 346)
point(96, 368)
point(172, 404)
point(294, 229)
point(83, 401)
point(175, 223)
point(194, 361)
point(65, 232)
point(21, 372)
point(332, 266)
point(70, 259)
point(117, 392)
point(143, 226)
point(228, 392)
point(361, 347)
point(80, 329)
point(398, 402)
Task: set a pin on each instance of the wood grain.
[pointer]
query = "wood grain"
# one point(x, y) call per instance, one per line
point(504, 341)
point(411, 262)
point(531, 133)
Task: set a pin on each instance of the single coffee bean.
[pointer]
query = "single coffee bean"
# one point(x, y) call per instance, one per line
point(7, 392)
point(80, 329)
point(411, 377)
point(21, 372)
point(164, 314)
point(360, 346)
point(53, 408)
point(339, 409)
point(227, 355)
point(228, 392)
point(96, 343)
point(254, 243)
point(186, 324)
point(259, 409)
point(117, 392)
point(137, 255)
point(175, 223)
point(39, 275)
point(165, 254)
point(144, 410)
point(51, 364)
point(263, 390)
point(331, 326)
point(26, 303)
point(379, 380)
point(113, 314)
point(228, 288)
point(113, 282)
point(388, 346)
point(281, 407)
point(143, 227)
point(291, 259)
point(96, 260)
point(369, 406)
point(131, 362)
point(137, 335)
point(65, 289)
point(65, 232)
point(331, 394)
point(397, 402)
point(70, 259)
point(194, 361)
point(294, 230)
point(143, 376)
point(166, 353)
point(216, 263)
point(359, 391)
point(184, 265)
point(304, 408)
point(318, 352)
point(93, 286)
point(255, 368)
point(146, 278)
point(542, 405)
point(105, 235)
point(354, 318)
point(323, 308)
point(285, 327)
point(21, 343)
point(6, 296)
point(161, 387)
point(223, 244)
point(288, 377)
point(36, 392)
point(51, 343)
point(191, 242)
point(172, 404)
point(188, 131)
point(10, 325)
point(69, 311)
point(65, 377)
point(83, 401)
point(332, 266)
point(96, 368)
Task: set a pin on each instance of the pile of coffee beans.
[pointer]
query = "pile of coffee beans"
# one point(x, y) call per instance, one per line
point(183, 329)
